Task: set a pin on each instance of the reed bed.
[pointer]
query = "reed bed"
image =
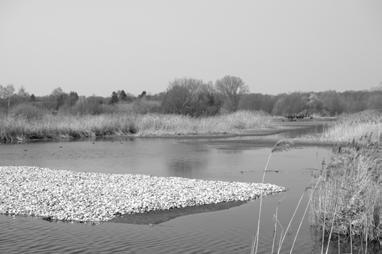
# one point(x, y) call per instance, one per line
point(348, 199)
point(357, 127)
point(19, 129)
point(64, 127)
point(235, 123)
point(345, 199)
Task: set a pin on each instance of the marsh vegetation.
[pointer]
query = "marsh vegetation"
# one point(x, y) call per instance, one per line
point(188, 107)
point(56, 127)
point(347, 200)
point(346, 193)
point(362, 127)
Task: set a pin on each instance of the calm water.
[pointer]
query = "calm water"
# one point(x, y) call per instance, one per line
point(227, 228)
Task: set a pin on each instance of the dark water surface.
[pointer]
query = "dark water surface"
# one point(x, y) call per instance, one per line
point(225, 228)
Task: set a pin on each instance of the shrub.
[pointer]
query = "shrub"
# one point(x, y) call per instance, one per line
point(28, 112)
point(191, 97)
point(92, 106)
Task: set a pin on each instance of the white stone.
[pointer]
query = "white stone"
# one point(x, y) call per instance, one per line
point(95, 197)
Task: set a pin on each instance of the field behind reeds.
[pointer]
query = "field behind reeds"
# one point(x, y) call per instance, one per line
point(16, 129)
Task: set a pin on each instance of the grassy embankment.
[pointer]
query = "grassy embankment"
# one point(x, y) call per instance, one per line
point(18, 129)
point(347, 198)
point(347, 201)
point(357, 127)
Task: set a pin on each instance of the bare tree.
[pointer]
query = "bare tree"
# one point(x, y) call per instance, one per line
point(6, 93)
point(232, 88)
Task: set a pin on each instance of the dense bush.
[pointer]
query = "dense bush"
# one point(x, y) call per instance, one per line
point(191, 97)
point(257, 102)
point(194, 97)
point(291, 103)
point(28, 111)
point(141, 106)
point(92, 105)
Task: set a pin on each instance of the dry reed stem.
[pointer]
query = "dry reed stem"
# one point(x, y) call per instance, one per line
point(331, 229)
point(282, 231)
point(290, 222)
point(366, 240)
point(280, 146)
point(323, 224)
point(261, 204)
point(303, 217)
point(274, 230)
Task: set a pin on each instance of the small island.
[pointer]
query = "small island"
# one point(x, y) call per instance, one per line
point(96, 197)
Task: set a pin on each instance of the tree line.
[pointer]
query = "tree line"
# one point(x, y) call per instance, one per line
point(193, 97)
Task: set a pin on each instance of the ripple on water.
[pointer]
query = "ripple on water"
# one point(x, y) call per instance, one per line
point(32, 235)
point(224, 231)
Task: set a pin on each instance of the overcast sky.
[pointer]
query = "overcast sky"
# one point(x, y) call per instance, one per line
point(95, 47)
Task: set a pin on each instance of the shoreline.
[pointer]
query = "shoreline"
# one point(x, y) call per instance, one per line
point(159, 216)
point(277, 127)
point(63, 195)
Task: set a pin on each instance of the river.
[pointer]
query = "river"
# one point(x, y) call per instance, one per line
point(225, 228)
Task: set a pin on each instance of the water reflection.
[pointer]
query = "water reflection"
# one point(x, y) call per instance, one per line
point(157, 217)
point(185, 168)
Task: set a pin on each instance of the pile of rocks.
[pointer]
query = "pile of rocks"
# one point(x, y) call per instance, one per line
point(94, 197)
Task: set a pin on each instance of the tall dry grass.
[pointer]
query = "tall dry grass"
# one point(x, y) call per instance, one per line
point(280, 146)
point(357, 127)
point(234, 123)
point(345, 199)
point(58, 127)
point(18, 128)
point(347, 203)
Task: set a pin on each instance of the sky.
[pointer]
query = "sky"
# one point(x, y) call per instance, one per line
point(275, 46)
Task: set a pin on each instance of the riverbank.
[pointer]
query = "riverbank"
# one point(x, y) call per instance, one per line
point(347, 200)
point(95, 197)
point(68, 127)
point(361, 127)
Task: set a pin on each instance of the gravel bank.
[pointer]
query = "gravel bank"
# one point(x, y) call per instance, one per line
point(95, 197)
